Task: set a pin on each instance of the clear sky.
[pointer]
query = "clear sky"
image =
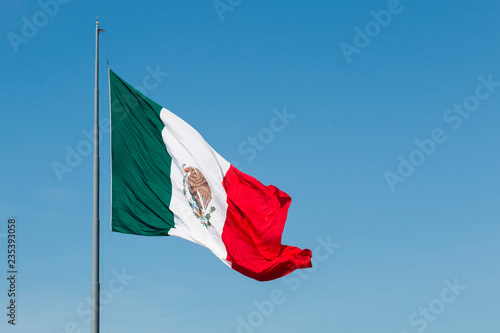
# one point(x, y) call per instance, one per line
point(389, 152)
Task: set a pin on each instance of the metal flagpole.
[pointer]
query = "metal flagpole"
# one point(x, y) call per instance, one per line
point(95, 221)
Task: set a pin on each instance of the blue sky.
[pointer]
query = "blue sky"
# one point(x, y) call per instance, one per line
point(391, 161)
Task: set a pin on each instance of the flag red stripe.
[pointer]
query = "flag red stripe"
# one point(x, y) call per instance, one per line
point(255, 219)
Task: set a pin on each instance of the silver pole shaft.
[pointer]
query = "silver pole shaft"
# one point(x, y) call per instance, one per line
point(95, 224)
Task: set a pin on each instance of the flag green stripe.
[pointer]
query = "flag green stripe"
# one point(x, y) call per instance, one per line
point(140, 164)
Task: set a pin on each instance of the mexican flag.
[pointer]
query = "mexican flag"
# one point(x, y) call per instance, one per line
point(167, 181)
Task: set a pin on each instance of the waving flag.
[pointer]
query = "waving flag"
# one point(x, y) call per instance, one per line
point(167, 181)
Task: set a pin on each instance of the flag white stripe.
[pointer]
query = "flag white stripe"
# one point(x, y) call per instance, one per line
point(186, 146)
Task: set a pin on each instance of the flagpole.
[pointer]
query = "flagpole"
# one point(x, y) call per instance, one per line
point(95, 222)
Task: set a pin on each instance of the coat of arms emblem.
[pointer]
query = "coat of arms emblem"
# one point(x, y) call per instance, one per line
point(198, 194)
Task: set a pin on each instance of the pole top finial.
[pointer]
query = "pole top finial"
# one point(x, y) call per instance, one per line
point(96, 19)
